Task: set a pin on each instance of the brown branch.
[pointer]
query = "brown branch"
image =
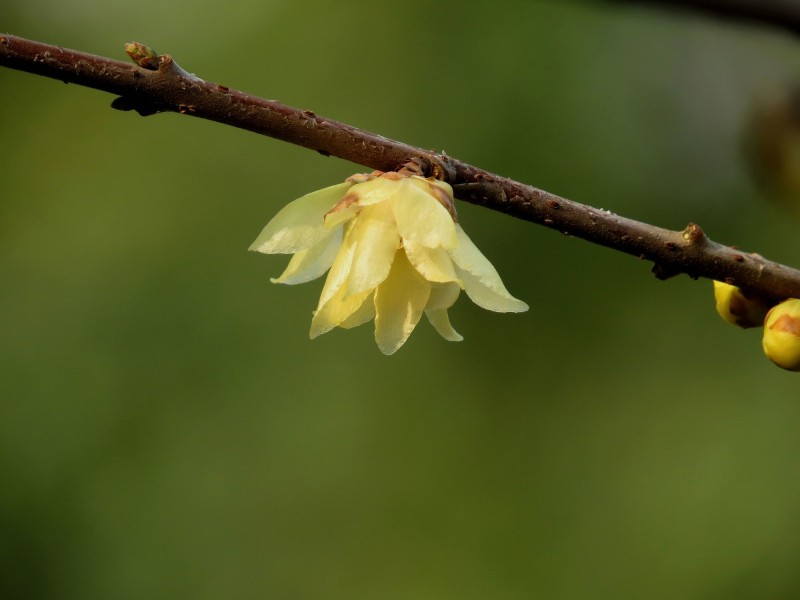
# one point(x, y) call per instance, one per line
point(775, 13)
point(160, 85)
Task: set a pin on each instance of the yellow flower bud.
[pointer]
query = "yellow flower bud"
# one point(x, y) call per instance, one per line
point(738, 308)
point(782, 335)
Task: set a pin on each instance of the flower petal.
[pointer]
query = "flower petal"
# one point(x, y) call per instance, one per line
point(443, 296)
point(337, 310)
point(434, 264)
point(344, 210)
point(420, 217)
point(300, 224)
point(309, 264)
point(366, 312)
point(375, 190)
point(399, 302)
point(340, 269)
point(488, 297)
point(480, 279)
point(376, 240)
point(441, 322)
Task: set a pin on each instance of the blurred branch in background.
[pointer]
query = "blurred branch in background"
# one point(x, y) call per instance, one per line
point(157, 84)
point(778, 13)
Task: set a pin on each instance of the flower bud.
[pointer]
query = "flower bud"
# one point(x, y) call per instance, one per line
point(782, 335)
point(142, 55)
point(738, 308)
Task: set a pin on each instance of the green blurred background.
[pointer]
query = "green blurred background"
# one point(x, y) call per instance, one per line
point(167, 430)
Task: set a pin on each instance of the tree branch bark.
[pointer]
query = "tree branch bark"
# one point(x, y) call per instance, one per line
point(162, 86)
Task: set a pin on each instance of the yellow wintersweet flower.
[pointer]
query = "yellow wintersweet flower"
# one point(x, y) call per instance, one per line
point(394, 251)
point(781, 339)
point(738, 307)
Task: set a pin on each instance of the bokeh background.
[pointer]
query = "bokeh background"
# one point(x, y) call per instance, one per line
point(167, 430)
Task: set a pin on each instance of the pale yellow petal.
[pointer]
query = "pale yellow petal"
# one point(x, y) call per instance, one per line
point(441, 322)
point(434, 264)
point(443, 296)
point(421, 218)
point(300, 224)
point(340, 269)
point(335, 311)
point(480, 279)
point(375, 190)
point(310, 264)
point(341, 215)
point(443, 185)
point(376, 240)
point(399, 302)
point(366, 312)
point(488, 297)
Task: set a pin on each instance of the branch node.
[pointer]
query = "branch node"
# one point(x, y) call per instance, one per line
point(427, 165)
point(694, 234)
point(168, 66)
point(446, 167)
